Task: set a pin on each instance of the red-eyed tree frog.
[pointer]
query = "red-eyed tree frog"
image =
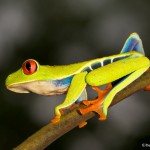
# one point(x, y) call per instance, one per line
point(117, 71)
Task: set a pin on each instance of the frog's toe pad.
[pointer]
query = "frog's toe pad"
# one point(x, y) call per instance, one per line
point(83, 111)
point(82, 124)
point(102, 118)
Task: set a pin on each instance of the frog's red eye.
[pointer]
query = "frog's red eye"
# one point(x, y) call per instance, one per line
point(29, 66)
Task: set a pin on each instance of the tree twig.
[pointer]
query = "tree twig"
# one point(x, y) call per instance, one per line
point(49, 133)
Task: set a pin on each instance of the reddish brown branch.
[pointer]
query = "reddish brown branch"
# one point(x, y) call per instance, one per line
point(49, 133)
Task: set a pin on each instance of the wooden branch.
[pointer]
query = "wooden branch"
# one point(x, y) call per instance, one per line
point(49, 133)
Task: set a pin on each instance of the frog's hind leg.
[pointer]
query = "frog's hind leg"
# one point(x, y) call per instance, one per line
point(121, 85)
point(101, 106)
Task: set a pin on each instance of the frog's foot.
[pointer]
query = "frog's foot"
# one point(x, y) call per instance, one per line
point(101, 114)
point(97, 104)
point(55, 119)
point(147, 88)
point(82, 124)
point(96, 107)
point(101, 94)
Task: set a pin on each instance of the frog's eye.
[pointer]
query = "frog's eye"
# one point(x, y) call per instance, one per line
point(29, 66)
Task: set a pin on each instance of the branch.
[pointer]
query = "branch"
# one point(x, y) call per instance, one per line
point(51, 132)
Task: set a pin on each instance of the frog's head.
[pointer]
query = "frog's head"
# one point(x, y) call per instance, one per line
point(32, 77)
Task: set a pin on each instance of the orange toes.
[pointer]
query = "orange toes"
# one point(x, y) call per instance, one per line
point(101, 114)
point(96, 105)
point(86, 102)
point(102, 118)
point(82, 111)
point(147, 88)
point(82, 124)
point(55, 119)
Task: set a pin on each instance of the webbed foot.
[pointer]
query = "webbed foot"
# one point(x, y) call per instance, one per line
point(55, 119)
point(97, 104)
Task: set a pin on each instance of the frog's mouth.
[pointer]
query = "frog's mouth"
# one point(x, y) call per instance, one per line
point(17, 88)
point(38, 87)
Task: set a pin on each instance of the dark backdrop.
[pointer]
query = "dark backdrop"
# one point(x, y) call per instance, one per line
point(62, 32)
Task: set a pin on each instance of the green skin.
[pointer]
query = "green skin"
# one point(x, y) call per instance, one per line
point(73, 78)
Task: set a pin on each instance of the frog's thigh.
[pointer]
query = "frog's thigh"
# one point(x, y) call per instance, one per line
point(129, 79)
point(76, 88)
point(115, 70)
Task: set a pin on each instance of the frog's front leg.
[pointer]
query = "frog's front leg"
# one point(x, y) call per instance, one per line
point(101, 106)
point(76, 89)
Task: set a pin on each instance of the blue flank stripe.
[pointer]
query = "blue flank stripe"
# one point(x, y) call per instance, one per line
point(63, 82)
point(120, 58)
point(96, 65)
